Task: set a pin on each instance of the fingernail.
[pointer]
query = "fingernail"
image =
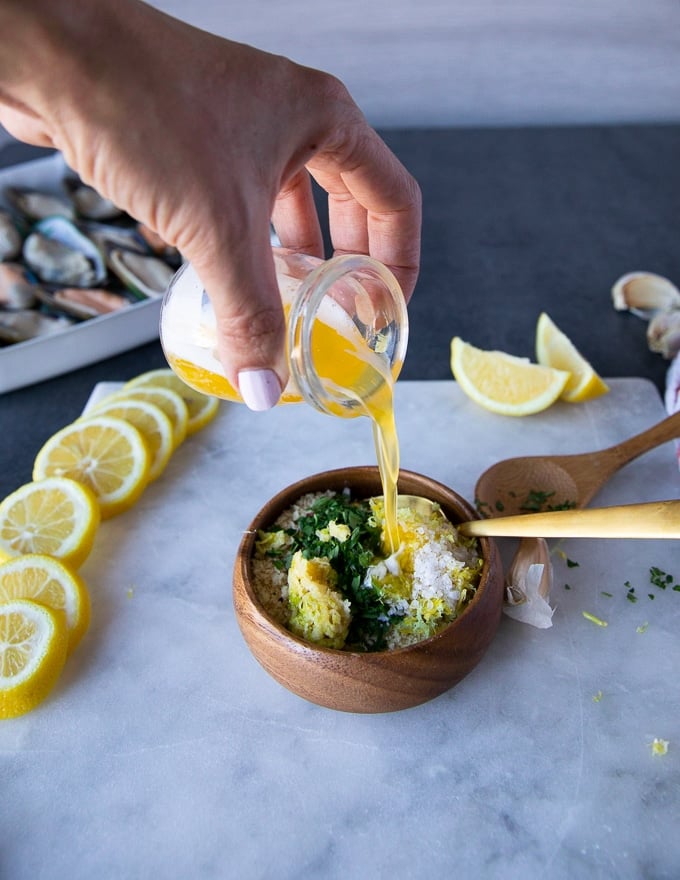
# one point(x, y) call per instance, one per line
point(260, 389)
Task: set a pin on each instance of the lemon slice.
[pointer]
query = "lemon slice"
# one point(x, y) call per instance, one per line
point(166, 400)
point(555, 349)
point(108, 455)
point(202, 408)
point(151, 422)
point(57, 516)
point(503, 383)
point(33, 645)
point(49, 582)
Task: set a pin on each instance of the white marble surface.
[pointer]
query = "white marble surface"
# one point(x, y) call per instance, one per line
point(166, 751)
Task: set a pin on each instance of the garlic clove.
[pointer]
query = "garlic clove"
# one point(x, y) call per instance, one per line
point(663, 334)
point(645, 293)
point(528, 584)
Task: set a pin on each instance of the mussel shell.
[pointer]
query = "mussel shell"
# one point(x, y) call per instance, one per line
point(145, 276)
point(108, 237)
point(82, 302)
point(88, 202)
point(36, 205)
point(17, 287)
point(10, 237)
point(23, 325)
point(60, 254)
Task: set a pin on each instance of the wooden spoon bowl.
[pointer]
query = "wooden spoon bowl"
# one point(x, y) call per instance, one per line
point(528, 484)
point(383, 681)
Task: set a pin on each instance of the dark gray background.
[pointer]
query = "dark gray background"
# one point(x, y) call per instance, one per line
point(516, 221)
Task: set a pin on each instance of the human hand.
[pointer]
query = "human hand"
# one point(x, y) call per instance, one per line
point(205, 140)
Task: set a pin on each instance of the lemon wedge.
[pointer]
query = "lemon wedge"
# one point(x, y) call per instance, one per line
point(106, 454)
point(33, 645)
point(555, 349)
point(503, 383)
point(56, 516)
point(151, 422)
point(49, 582)
point(202, 408)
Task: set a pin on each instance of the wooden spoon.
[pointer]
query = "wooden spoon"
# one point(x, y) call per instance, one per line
point(545, 482)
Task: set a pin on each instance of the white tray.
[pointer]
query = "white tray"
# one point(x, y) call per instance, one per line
point(25, 363)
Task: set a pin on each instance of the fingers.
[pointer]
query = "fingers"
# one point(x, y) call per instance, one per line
point(295, 218)
point(374, 204)
point(24, 125)
point(250, 321)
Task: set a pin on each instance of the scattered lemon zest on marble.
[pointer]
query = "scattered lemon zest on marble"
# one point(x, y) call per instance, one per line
point(593, 619)
point(659, 746)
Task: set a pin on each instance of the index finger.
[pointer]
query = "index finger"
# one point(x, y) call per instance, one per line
point(374, 204)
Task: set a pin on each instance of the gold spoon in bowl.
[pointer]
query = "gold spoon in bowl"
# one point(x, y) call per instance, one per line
point(649, 519)
point(528, 483)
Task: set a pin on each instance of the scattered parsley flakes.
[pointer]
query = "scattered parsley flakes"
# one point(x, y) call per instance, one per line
point(571, 563)
point(659, 746)
point(661, 579)
point(482, 507)
point(597, 697)
point(537, 501)
point(567, 587)
point(593, 619)
point(500, 507)
point(630, 595)
point(643, 627)
point(606, 594)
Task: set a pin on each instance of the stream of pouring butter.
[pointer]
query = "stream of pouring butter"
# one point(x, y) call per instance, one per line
point(346, 370)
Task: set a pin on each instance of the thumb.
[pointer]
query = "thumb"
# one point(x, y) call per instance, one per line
point(250, 324)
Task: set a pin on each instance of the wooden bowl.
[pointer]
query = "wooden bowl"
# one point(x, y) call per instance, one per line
point(383, 681)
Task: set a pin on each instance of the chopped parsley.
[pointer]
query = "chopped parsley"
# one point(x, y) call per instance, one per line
point(661, 579)
point(537, 501)
point(371, 616)
point(483, 507)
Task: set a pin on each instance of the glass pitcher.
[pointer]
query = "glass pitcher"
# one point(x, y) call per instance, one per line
point(347, 331)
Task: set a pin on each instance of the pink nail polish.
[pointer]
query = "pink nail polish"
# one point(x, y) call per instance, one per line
point(260, 389)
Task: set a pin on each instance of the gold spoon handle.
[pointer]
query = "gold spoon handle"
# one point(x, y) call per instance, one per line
point(653, 519)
